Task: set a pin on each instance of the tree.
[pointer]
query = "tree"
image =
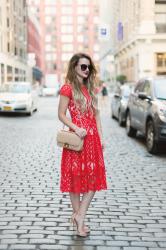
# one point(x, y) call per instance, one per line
point(121, 79)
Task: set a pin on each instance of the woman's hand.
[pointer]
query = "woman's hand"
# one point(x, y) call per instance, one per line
point(81, 132)
point(102, 144)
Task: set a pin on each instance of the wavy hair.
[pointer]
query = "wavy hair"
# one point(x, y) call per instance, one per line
point(71, 78)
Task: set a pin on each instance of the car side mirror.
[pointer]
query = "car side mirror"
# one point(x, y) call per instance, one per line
point(117, 96)
point(143, 96)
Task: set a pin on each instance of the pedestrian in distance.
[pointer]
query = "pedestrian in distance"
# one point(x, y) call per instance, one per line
point(104, 93)
point(83, 172)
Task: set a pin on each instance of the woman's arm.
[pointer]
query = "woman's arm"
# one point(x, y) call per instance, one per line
point(99, 127)
point(62, 109)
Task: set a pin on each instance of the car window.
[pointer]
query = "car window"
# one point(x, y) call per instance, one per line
point(147, 88)
point(126, 90)
point(117, 91)
point(15, 88)
point(160, 88)
point(139, 87)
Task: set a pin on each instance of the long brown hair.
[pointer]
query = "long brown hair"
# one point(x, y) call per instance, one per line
point(71, 78)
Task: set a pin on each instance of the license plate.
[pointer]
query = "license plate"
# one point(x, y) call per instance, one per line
point(7, 108)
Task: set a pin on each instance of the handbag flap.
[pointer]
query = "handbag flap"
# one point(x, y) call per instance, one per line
point(68, 137)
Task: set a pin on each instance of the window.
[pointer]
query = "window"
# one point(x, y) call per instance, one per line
point(79, 28)
point(50, 10)
point(118, 90)
point(66, 56)
point(139, 87)
point(15, 51)
point(48, 47)
point(9, 73)
point(147, 88)
point(48, 19)
point(51, 57)
point(160, 88)
point(0, 15)
point(1, 45)
point(67, 10)
point(161, 59)
point(67, 2)
point(67, 38)
point(160, 17)
point(83, 2)
point(48, 38)
point(2, 68)
point(67, 29)
point(8, 47)
point(50, 2)
point(80, 39)
point(67, 47)
point(83, 10)
point(160, 22)
point(8, 22)
point(81, 19)
point(66, 20)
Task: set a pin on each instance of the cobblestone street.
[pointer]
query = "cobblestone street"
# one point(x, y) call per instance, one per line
point(130, 215)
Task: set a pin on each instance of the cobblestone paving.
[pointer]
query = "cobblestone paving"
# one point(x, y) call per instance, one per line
point(130, 215)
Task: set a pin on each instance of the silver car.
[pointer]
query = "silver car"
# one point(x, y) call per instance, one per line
point(119, 102)
point(18, 97)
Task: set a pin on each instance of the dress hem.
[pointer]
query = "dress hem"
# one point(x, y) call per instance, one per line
point(70, 191)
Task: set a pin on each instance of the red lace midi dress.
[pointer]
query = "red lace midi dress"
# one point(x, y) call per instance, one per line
point(82, 171)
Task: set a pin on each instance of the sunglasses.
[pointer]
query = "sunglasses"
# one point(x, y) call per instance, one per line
point(85, 66)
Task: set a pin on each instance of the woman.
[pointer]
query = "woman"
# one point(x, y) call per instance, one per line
point(81, 172)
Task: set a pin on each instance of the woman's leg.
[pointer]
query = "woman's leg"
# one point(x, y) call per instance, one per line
point(84, 205)
point(75, 201)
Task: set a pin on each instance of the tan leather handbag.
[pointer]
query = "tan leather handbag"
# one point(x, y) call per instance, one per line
point(69, 140)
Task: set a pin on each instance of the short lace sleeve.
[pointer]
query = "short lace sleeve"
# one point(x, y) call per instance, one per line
point(66, 90)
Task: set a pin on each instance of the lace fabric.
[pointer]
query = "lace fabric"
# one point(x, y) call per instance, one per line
point(83, 171)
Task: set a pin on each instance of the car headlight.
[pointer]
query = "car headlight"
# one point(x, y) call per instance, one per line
point(162, 112)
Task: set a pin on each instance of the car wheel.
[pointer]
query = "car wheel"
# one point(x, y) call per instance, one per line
point(130, 130)
point(152, 145)
point(121, 123)
point(31, 111)
point(112, 115)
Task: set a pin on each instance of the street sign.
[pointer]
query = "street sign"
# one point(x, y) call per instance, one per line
point(104, 32)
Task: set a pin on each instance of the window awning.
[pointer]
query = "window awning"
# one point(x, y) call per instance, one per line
point(37, 73)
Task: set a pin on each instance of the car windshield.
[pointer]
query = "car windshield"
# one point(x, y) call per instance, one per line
point(126, 91)
point(15, 88)
point(160, 89)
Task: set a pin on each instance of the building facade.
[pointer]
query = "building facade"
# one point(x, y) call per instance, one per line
point(13, 41)
point(34, 47)
point(139, 37)
point(67, 27)
point(105, 53)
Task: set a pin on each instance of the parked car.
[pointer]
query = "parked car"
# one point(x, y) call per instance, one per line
point(50, 89)
point(146, 112)
point(119, 102)
point(18, 97)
